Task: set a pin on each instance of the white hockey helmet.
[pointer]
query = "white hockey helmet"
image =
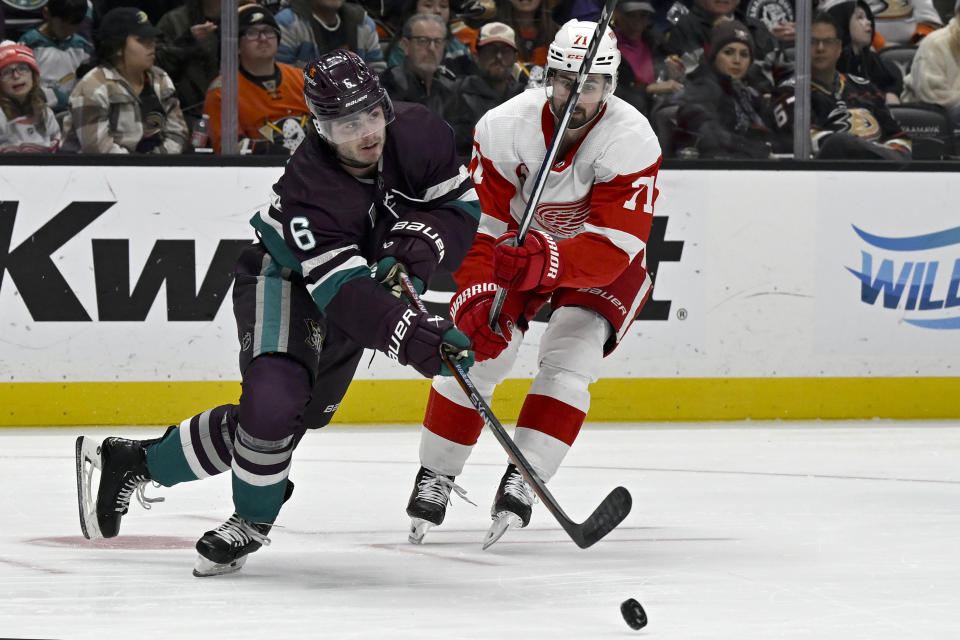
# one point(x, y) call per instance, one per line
point(570, 44)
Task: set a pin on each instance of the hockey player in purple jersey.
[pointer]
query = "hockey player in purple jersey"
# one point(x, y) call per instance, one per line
point(374, 188)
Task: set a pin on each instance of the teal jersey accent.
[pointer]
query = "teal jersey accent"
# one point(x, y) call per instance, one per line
point(470, 206)
point(167, 460)
point(325, 292)
point(258, 504)
point(275, 244)
point(275, 309)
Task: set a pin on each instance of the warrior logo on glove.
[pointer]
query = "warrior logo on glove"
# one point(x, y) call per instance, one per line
point(533, 266)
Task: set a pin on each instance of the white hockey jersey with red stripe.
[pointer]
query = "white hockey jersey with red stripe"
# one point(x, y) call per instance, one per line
point(597, 201)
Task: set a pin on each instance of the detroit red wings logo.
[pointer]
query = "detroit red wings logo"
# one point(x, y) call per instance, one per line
point(563, 219)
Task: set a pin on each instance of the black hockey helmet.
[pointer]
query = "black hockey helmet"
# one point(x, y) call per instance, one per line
point(338, 86)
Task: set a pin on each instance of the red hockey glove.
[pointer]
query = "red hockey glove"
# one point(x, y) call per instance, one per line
point(470, 310)
point(534, 266)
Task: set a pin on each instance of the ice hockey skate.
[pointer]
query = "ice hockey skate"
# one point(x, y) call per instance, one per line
point(123, 473)
point(428, 502)
point(225, 549)
point(511, 507)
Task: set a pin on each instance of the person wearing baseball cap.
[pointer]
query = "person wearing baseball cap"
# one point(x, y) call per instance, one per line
point(125, 104)
point(122, 22)
point(494, 83)
point(273, 116)
point(27, 124)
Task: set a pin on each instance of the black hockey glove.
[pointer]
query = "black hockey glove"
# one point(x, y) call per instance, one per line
point(416, 339)
point(416, 245)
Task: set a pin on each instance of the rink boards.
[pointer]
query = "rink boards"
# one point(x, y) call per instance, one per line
point(793, 294)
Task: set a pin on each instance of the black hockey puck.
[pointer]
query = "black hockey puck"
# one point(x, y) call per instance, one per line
point(634, 614)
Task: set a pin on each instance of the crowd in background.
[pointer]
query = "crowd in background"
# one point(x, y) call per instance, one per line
point(715, 77)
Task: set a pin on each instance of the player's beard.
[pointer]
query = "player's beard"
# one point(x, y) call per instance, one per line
point(578, 118)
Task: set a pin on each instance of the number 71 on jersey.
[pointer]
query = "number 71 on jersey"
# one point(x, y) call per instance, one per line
point(643, 184)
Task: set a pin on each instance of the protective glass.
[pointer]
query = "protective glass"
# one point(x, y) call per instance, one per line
point(357, 125)
point(596, 88)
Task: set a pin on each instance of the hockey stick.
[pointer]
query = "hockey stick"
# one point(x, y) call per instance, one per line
point(527, 219)
point(604, 518)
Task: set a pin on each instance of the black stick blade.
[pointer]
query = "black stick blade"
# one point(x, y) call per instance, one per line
point(605, 518)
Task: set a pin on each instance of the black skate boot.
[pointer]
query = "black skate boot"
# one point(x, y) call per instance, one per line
point(511, 507)
point(428, 502)
point(123, 474)
point(225, 549)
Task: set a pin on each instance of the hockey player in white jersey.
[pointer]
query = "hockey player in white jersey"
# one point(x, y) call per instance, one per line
point(584, 254)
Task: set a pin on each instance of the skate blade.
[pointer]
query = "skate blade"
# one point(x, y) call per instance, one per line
point(88, 459)
point(501, 522)
point(418, 529)
point(205, 568)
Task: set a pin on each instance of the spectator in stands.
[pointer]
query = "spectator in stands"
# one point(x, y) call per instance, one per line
point(531, 21)
point(849, 117)
point(494, 84)
point(59, 49)
point(27, 124)
point(456, 55)
point(779, 16)
point(125, 104)
point(935, 75)
point(309, 28)
point(272, 115)
point(689, 38)
point(190, 52)
point(855, 21)
point(719, 115)
point(421, 78)
point(645, 75)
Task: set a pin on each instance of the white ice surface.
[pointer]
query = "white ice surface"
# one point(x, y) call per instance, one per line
point(746, 531)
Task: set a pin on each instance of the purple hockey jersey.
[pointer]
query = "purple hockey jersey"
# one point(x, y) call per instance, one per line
point(327, 226)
